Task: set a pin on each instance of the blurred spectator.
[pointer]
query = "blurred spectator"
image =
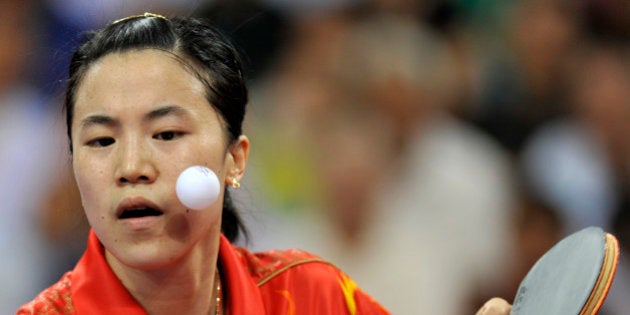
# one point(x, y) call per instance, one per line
point(407, 193)
point(581, 164)
point(607, 19)
point(30, 161)
point(520, 81)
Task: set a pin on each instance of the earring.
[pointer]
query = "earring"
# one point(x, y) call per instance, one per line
point(234, 183)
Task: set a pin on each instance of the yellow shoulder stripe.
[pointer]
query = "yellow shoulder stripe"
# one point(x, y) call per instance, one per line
point(349, 287)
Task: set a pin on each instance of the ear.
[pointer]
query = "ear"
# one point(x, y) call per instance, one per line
point(237, 156)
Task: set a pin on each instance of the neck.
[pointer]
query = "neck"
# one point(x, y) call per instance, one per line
point(186, 286)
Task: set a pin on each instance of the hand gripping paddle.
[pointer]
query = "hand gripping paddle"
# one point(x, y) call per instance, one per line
point(572, 278)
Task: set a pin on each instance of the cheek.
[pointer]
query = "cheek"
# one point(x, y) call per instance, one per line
point(193, 224)
point(89, 183)
point(207, 152)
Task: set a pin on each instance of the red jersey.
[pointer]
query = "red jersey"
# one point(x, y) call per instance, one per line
point(273, 282)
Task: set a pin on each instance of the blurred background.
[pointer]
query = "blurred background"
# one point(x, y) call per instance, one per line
point(433, 150)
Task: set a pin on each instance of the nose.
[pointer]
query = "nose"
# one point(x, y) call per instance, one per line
point(136, 165)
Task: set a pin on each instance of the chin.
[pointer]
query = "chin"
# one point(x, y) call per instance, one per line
point(147, 256)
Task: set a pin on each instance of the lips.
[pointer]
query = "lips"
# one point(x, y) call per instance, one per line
point(137, 207)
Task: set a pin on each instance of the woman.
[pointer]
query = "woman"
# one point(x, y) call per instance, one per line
point(147, 97)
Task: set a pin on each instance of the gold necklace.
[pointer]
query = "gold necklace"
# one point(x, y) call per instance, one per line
point(219, 298)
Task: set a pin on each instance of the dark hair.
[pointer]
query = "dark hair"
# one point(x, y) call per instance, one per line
point(200, 46)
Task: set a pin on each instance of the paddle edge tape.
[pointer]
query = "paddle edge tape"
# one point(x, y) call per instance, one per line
point(605, 279)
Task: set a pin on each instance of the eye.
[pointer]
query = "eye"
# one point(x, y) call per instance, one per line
point(168, 135)
point(101, 142)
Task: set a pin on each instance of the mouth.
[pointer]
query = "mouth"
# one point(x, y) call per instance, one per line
point(139, 213)
point(137, 208)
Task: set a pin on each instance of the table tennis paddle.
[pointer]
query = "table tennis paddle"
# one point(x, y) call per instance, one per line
point(573, 277)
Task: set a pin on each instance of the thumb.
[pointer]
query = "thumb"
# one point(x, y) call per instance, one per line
point(495, 306)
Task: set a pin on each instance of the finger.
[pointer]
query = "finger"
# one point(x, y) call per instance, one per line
point(495, 306)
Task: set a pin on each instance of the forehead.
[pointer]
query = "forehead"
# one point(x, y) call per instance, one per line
point(137, 70)
point(138, 77)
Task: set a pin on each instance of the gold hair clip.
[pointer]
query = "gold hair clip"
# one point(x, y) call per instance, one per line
point(146, 14)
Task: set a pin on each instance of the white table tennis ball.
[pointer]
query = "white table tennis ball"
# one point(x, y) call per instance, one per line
point(197, 187)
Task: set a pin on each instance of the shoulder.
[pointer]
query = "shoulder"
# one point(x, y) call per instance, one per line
point(295, 281)
point(263, 266)
point(54, 300)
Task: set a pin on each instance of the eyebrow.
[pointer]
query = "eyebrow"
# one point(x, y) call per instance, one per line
point(152, 115)
point(99, 120)
point(165, 111)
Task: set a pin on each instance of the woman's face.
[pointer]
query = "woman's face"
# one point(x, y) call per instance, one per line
point(140, 119)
